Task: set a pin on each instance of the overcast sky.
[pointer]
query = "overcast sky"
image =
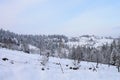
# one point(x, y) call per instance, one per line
point(68, 17)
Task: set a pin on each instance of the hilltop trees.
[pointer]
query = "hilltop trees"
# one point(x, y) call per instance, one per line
point(107, 54)
point(76, 54)
point(57, 46)
point(43, 42)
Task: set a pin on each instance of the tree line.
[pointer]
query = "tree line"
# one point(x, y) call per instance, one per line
point(56, 45)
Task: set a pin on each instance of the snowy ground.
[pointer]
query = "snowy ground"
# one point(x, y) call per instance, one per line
point(22, 66)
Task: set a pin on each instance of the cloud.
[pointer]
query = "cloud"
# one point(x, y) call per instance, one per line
point(60, 17)
point(99, 21)
point(11, 9)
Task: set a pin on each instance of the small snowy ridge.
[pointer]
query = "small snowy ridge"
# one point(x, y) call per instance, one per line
point(22, 66)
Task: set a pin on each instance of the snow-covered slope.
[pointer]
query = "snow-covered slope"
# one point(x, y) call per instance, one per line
point(22, 66)
point(87, 40)
point(33, 49)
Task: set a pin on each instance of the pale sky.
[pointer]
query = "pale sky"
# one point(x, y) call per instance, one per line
point(68, 17)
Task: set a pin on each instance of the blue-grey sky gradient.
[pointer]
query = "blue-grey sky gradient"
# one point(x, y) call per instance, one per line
point(68, 17)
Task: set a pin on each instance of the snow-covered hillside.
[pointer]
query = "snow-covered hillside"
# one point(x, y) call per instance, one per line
point(87, 40)
point(22, 66)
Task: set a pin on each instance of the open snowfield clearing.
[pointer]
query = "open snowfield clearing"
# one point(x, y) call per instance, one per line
point(22, 66)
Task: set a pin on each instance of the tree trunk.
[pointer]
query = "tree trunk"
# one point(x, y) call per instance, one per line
point(118, 68)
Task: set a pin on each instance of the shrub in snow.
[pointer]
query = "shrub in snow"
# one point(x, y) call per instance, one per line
point(5, 59)
point(43, 69)
point(57, 63)
point(70, 67)
point(47, 68)
point(90, 68)
point(75, 68)
point(94, 69)
point(66, 65)
point(45, 59)
point(12, 62)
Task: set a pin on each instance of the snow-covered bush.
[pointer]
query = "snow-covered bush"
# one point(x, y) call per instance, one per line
point(45, 58)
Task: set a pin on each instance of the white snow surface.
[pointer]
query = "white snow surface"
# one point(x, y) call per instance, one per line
point(33, 47)
point(28, 67)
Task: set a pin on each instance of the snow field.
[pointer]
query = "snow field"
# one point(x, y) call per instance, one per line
point(22, 66)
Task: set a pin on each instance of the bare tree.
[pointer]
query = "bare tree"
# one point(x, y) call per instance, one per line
point(118, 63)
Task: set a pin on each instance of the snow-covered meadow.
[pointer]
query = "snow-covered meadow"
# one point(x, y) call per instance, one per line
point(22, 66)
